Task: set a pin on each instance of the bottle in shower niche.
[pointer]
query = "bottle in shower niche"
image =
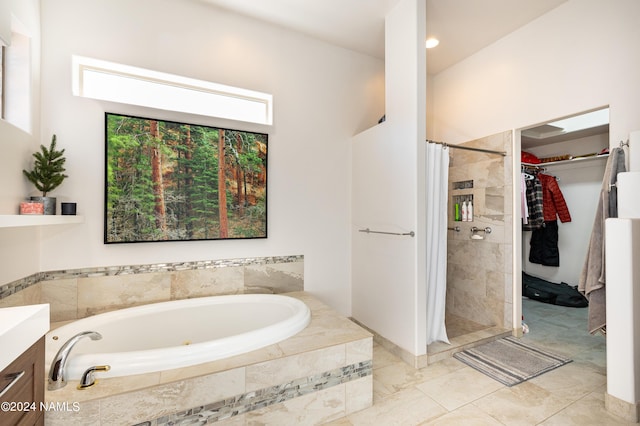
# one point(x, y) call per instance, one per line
point(464, 211)
point(456, 212)
point(470, 211)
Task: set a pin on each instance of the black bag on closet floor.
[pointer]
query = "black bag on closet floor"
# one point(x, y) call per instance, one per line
point(556, 294)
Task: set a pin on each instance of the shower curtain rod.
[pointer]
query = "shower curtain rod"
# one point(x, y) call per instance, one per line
point(468, 148)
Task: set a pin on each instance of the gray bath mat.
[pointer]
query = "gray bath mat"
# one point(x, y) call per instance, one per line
point(510, 361)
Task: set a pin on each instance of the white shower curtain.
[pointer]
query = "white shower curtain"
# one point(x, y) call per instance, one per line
point(437, 166)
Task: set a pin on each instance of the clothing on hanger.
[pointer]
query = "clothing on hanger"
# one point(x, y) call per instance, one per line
point(553, 202)
point(544, 239)
point(524, 208)
point(534, 204)
point(544, 245)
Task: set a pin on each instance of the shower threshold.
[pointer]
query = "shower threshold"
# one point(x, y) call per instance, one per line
point(463, 334)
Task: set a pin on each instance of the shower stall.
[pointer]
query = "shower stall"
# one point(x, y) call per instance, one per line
point(479, 267)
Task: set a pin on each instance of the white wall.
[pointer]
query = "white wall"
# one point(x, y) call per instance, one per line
point(323, 95)
point(19, 249)
point(388, 280)
point(579, 56)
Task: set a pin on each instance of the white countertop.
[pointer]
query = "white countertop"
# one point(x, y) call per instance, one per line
point(21, 327)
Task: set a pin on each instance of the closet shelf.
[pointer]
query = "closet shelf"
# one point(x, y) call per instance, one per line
point(570, 161)
point(16, 220)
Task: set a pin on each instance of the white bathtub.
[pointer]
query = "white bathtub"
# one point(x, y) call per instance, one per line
point(168, 335)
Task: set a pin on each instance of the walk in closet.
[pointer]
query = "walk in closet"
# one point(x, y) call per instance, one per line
point(576, 162)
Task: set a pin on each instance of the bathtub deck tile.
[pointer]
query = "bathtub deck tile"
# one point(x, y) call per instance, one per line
point(280, 398)
point(169, 399)
point(238, 420)
point(318, 407)
point(358, 394)
point(253, 357)
point(103, 388)
point(316, 335)
point(223, 385)
point(87, 413)
point(289, 368)
point(314, 304)
point(359, 350)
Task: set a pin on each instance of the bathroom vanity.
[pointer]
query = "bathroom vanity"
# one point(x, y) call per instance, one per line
point(22, 331)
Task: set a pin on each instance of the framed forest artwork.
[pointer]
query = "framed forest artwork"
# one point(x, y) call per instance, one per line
point(169, 181)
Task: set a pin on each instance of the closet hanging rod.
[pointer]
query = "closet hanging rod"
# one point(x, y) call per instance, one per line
point(369, 231)
point(533, 166)
point(468, 148)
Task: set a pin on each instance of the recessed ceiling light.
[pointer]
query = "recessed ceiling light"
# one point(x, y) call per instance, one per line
point(432, 42)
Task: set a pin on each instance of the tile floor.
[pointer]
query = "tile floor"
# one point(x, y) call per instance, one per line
point(463, 334)
point(450, 393)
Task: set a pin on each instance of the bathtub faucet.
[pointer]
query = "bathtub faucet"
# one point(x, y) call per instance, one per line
point(57, 371)
point(88, 378)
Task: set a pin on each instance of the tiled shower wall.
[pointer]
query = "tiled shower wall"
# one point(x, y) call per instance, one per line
point(79, 293)
point(479, 272)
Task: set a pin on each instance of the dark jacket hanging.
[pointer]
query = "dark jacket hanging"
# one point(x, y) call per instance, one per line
point(544, 245)
point(544, 241)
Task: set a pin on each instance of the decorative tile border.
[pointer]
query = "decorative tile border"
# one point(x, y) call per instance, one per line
point(18, 285)
point(240, 404)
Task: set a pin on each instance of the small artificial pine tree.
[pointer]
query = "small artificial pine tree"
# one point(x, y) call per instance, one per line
point(48, 168)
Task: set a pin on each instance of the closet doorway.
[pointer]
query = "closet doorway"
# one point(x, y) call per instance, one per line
point(574, 152)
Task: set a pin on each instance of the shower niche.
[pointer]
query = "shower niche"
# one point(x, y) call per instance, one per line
point(463, 184)
point(462, 204)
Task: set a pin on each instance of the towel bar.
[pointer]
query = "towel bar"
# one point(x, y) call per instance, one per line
point(369, 231)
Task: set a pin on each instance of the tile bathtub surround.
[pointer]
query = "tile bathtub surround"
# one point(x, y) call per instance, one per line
point(326, 365)
point(262, 398)
point(79, 293)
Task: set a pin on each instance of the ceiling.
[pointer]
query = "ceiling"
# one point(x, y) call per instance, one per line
point(355, 24)
point(570, 128)
point(462, 26)
point(528, 142)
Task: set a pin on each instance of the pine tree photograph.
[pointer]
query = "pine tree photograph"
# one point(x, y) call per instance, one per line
point(169, 181)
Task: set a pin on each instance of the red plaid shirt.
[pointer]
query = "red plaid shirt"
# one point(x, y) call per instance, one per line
point(553, 202)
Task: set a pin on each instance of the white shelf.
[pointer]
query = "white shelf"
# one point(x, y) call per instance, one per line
point(17, 220)
point(571, 161)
